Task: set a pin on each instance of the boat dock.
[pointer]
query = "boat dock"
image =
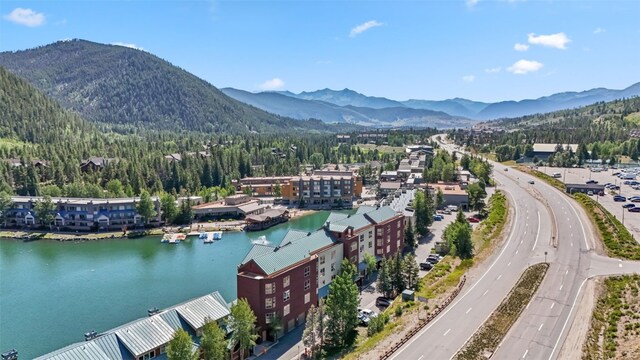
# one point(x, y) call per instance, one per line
point(209, 236)
point(173, 238)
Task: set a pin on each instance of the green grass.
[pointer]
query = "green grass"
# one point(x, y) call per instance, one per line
point(487, 338)
point(633, 118)
point(493, 225)
point(617, 240)
point(615, 319)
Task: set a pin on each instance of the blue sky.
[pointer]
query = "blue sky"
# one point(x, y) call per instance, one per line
point(477, 49)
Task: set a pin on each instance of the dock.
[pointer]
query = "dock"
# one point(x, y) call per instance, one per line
point(173, 238)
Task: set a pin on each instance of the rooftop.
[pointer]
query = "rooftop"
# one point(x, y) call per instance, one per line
point(80, 201)
point(448, 189)
point(539, 147)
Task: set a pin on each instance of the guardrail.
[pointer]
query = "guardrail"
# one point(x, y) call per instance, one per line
point(423, 322)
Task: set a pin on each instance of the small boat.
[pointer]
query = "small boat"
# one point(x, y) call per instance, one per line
point(203, 235)
point(217, 235)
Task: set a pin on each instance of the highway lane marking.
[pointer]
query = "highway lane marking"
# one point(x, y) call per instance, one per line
point(509, 264)
point(515, 224)
point(572, 244)
point(561, 287)
point(499, 276)
point(485, 293)
point(525, 354)
point(446, 332)
point(620, 265)
point(538, 234)
point(517, 252)
point(566, 272)
point(540, 328)
point(421, 356)
point(552, 305)
point(567, 320)
point(468, 311)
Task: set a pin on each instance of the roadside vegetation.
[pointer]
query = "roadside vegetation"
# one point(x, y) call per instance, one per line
point(615, 324)
point(487, 338)
point(617, 240)
point(436, 285)
point(542, 176)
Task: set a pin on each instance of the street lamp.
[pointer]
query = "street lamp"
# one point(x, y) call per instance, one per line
point(545, 256)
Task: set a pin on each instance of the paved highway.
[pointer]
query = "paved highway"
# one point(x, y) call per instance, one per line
point(543, 326)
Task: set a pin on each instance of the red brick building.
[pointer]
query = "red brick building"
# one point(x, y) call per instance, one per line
point(284, 281)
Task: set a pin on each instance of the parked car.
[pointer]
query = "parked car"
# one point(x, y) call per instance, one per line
point(363, 320)
point(591, 181)
point(531, 182)
point(383, 301)
point(590, 193)
point(438, 217)
point(629, 205)
point(433, 259)
point(634, 199)
point(619, 198)
point(506, 169)
point(426, 266)
point(634, 209)
point(368, 313)
point(473, 219)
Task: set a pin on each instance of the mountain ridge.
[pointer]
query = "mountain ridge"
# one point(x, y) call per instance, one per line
point(130, 88)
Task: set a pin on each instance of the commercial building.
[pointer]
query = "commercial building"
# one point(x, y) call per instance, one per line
point(584, 188)
point(282, 282)
point(235, 206)
point(452, 193)
point(147, 338)
point(82, 214)
point(543, 151)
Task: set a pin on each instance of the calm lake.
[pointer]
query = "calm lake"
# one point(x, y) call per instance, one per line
point(52, 292)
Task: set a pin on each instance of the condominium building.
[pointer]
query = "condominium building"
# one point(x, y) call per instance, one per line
point(81, 214)
point(282, 282)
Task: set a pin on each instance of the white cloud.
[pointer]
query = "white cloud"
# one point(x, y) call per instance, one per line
point(26, 17)
point(468, 78)
point(494, 70)
point(129, 45)
point(522, 67)
point(558, 41)
point(520, 47)
point(364, 27)
point(273, 84)
point(599, 31)
point(471, 3)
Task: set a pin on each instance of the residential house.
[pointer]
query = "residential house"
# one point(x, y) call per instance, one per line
point(95, 163)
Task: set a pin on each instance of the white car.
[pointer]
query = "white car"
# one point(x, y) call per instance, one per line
point(368, 313)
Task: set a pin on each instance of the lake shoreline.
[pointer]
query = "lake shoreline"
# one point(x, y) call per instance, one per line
point(34, 235)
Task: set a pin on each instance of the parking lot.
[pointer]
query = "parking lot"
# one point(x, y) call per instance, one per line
point(577, 175)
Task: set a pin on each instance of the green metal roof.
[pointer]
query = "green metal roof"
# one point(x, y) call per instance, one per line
point(289, 253)
point(365, 209)
point(382, 214)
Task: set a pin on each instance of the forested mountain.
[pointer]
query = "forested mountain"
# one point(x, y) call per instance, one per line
point(129, 88)
point(345, 97)
point(297, 108)
point(34, 127)
point(474, 109)
point(455, 107)
point(608, 130)
point(565, 100)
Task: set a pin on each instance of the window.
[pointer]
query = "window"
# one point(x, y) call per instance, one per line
point(286, 281)
point(361, 248)
point(362, 237)
point(398, 244)
point(286, 310)
point(378, 231)
point(333, 254)
point(307, 271)
point(354, 259)
point(322, 272)
point(333, 267)
point(307, 284)
point(370, 244)
point(268, 317)
point(286, 295)
point(354, 246)
point(307, 297)
point(370, 233)
point(398, 233)
point(269, 288)
point(388, 249)
point(379, 242)
point(321, 259)
point(269, 303)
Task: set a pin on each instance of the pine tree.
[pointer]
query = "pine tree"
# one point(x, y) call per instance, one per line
point(44, 209)
point(145, 206)
point(410, 272)
point(310, 333)
point(385, 285)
